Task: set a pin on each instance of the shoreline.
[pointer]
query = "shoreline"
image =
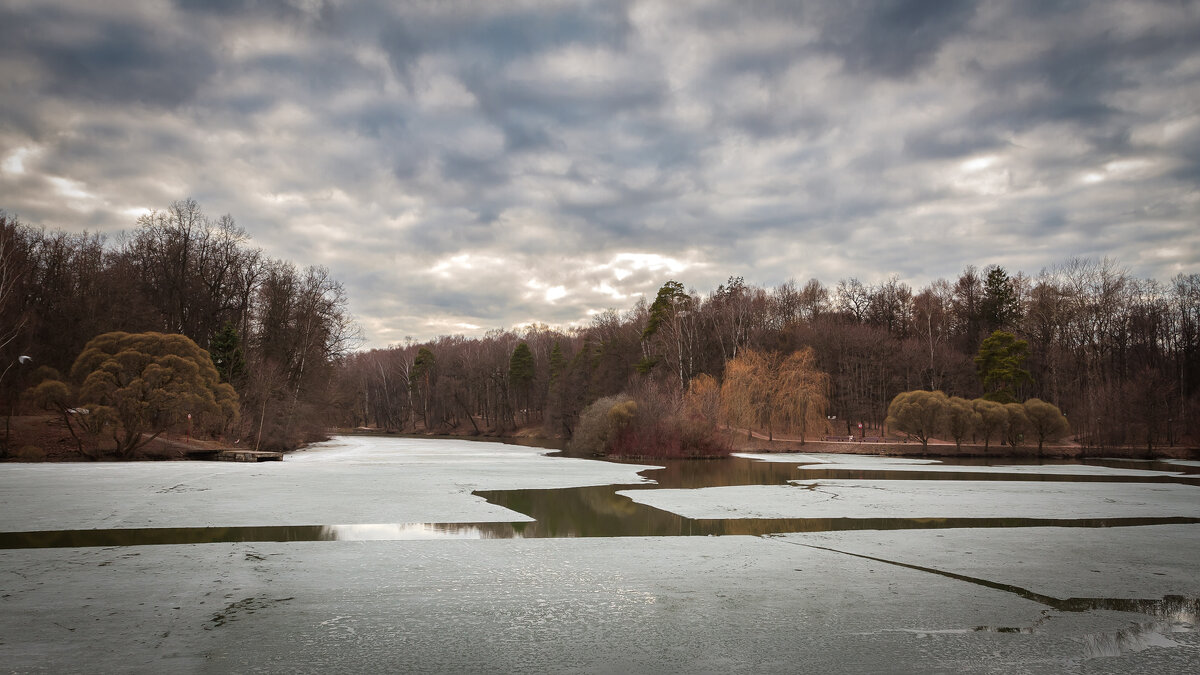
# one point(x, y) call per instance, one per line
point(170, 448)
point(890, 448)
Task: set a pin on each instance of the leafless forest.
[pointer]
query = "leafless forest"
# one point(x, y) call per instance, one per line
point(1119, 355)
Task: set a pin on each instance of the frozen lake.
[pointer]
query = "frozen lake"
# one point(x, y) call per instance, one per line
point(393, 554)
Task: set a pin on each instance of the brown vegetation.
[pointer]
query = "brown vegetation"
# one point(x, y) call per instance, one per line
point(651, 423)
point(133, 387)
point(44, 438)
point(925, 414)
point(274, 331)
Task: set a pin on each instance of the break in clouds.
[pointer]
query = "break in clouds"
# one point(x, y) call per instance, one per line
point(463, 166)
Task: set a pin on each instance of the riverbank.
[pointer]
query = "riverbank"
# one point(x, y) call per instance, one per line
point(534, 435)
point(942, 449)
point(44, 438)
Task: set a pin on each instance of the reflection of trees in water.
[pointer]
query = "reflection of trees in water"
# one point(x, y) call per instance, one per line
point(154, 536)
point(720, 472)
point(585, 512)
point(1133, 639)
point(1172, 608)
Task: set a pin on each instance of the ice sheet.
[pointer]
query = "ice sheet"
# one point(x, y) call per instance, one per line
point(928, 499)
point(675, 605)
point(353, 479)
point(1111, 562)
point(1026, 469)
point(835, 462)
point(1182, 462)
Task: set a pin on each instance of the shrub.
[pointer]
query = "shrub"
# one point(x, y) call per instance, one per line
point(600, 422)
point(652, 422)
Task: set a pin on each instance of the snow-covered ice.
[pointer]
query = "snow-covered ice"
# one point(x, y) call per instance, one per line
point(834, 462)
point(664, 605)
point(1182, 462)
point(351, 479)
point(928, 499)
point(1020, 469)
point(1078, 562)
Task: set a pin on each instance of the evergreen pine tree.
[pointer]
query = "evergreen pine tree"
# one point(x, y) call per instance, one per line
point(225, 348)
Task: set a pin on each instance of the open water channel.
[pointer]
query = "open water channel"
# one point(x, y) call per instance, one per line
point(756, 563)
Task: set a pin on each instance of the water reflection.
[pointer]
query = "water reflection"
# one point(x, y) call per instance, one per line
point(1133, 639)
point(412, 531)
point(160, 536)
point(607, 520)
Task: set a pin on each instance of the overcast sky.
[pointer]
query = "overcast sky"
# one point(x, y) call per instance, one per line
point(463, 166)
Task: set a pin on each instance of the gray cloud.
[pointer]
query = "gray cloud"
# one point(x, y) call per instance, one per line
point(122, 59)
point(894, 39)
point(469, 165)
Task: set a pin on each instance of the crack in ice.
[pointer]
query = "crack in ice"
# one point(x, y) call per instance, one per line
point(1169, 606)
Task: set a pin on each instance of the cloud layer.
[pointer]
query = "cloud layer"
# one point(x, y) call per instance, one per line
point(463, 166)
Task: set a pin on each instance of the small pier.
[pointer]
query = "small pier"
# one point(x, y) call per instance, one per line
point(232, 455)
point(248, 456)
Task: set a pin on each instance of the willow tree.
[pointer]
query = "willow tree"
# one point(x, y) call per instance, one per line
point(992, 418)
point(702, 402)
point(918, 413)
point(1045, 421)
point(747, 393)
point(1017, 423)
point(770, 391)
point(802, 393)
point(961, 419)
point(138, 385)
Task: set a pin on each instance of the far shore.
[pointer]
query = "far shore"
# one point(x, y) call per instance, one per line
point(533, 435)
point(41, 439)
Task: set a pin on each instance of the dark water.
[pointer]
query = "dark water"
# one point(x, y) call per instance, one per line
point(600, 512)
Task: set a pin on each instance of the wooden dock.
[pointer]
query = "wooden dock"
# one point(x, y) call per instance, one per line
point(248, 456)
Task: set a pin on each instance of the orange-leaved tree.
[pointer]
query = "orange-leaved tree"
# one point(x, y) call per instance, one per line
point(747, 392)
point(802, 393)
point(770, 391)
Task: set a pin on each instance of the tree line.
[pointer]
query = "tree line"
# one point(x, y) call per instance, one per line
point(275, 332)
point(1118, 354)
